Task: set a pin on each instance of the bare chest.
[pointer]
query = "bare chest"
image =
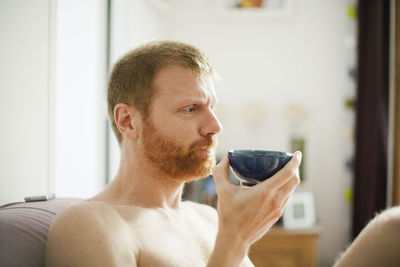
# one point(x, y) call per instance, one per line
point(169, 247)
point(169, 242)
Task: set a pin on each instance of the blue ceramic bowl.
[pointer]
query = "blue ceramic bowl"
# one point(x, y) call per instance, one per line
point(254, 166)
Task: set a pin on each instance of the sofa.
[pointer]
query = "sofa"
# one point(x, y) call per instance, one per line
point(24, 228)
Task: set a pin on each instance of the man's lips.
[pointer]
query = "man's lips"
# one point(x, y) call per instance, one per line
point(205, 144)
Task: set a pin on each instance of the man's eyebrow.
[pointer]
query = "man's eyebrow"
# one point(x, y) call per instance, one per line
point(203, 100)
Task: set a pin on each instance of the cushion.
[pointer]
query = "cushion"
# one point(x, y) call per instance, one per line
point(24, 228)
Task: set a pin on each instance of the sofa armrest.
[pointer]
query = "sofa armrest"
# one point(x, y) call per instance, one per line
point(24, 228)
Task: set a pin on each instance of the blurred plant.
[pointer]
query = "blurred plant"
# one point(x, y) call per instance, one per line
point(297, 115)
point(350, 103)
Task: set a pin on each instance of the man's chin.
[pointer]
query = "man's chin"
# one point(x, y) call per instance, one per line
point(204, 170)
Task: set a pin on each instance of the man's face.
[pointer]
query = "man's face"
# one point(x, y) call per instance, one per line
point(179, 135)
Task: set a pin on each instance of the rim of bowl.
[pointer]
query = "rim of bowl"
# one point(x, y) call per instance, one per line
point(250, 152)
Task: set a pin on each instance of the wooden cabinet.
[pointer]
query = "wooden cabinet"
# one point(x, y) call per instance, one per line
point(286, 248)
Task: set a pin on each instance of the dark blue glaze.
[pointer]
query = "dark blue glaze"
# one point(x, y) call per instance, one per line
point(253, 166)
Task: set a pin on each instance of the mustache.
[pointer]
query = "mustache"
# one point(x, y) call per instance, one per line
point(208, 143)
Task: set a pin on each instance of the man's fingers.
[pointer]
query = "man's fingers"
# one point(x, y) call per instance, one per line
point(220, 173)
point(286, 173)
point(287, 189)
point(286, 199)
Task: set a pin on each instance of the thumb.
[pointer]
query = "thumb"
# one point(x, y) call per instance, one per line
point(220, 173)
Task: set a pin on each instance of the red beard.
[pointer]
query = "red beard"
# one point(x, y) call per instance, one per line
point(171, 158)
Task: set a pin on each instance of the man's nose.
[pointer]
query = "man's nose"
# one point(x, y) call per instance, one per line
point(212, 125)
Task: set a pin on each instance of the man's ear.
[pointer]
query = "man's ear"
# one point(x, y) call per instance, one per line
point(126, 120)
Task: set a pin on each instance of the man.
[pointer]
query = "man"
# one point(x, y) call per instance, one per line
point(161, 102)
point(378, 243)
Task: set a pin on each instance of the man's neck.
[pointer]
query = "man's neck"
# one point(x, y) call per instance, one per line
point(138, 183)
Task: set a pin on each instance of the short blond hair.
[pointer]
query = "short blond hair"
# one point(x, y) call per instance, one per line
point(131, 80)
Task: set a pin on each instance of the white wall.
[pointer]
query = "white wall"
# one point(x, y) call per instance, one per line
point(80, 108)
point(52, 86)
point(25, 94)
point(270, 63)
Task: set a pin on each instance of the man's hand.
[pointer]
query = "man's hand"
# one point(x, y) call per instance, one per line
point(245, 214)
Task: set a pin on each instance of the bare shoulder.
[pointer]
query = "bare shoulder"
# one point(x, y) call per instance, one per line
point(206, 211)
point(89, 234)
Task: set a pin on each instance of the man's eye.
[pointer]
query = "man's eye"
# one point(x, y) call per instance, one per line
point(190, 109)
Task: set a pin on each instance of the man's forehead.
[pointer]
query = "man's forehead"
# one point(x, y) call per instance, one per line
point(184, 83)
point(203, 94)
